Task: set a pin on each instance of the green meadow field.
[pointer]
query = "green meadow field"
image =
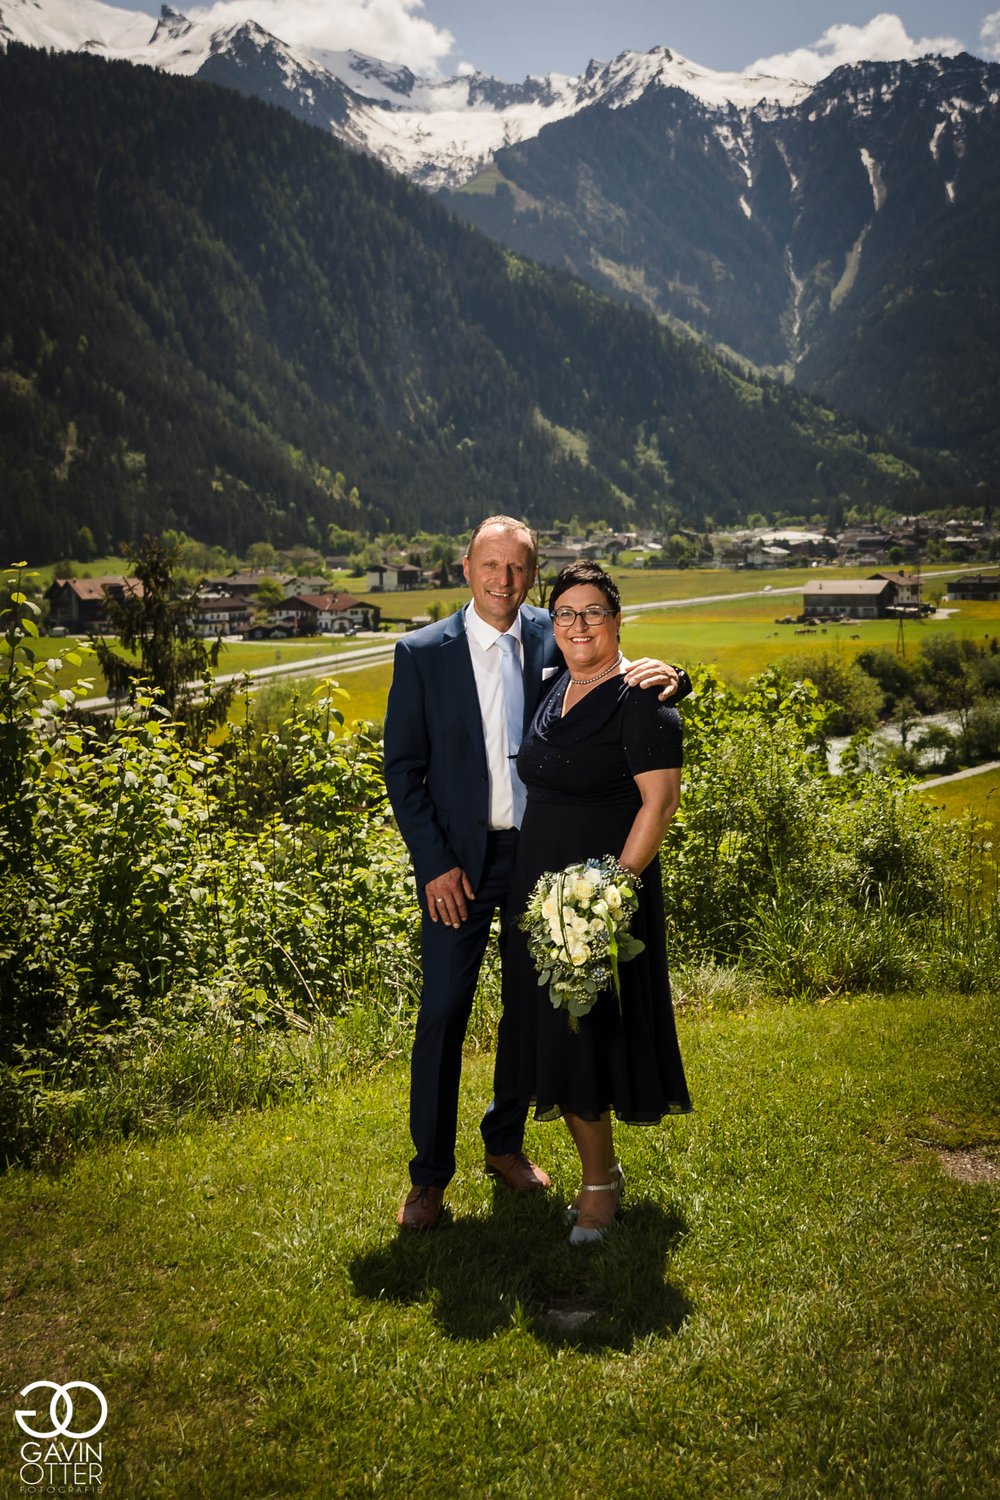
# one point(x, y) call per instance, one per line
point(978, 794)
point(740, 636)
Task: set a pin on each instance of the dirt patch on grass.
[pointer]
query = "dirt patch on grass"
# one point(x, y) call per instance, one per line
point(969, 1164)
point(567, 1315)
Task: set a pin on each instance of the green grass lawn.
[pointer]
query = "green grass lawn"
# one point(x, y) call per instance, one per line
point(977, 794)
point(798, 1302)
point(236, 656)
point(742, 638)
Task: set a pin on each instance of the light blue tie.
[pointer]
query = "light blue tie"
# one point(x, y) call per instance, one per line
point(512, 681)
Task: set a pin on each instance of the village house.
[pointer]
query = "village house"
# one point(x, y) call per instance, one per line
point(80, 605)
point(220, 614)
point(245, 584)
point(976, 586)
point(316, 584)
point(752, 553)
point(867, 541)
point(327, 614)
point(389, 578)
point(859, 599)
point(906, 589)
point(554, 556)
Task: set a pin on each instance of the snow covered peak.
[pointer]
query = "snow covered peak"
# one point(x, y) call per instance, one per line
point(438, 131)
point(368, 76)
point(626, 78)
point(171, 25)
point(73, 25)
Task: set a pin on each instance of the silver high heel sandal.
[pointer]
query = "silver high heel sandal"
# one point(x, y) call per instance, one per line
point(617, 1177)
point(580, 1234)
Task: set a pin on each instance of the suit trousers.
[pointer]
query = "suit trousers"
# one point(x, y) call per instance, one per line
point(452, 958)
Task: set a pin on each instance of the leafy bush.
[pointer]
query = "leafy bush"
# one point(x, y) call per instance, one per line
point(819, 883)
point(188, 930)
point(140, 878)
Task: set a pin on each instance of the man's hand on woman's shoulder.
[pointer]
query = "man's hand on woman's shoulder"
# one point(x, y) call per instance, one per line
point(645, 672)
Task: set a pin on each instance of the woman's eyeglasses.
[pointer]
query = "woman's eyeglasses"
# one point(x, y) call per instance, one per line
point(592, 615)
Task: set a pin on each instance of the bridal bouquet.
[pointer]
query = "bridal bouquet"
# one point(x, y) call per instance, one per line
point(577, 925)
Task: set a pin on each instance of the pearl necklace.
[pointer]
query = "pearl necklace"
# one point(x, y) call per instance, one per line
point(586, 681)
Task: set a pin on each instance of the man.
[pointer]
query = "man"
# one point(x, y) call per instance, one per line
point(460, 699)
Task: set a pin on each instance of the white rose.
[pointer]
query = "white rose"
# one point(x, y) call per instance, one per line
point(613, 898)
point(594, 876)
point(582, 889)
point(550, 906)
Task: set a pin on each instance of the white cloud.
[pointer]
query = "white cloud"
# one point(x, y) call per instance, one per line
point(989, 36)
point(393, 30)
point(882, 39)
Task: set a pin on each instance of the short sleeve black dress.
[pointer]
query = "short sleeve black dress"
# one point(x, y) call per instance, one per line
point(582, 800)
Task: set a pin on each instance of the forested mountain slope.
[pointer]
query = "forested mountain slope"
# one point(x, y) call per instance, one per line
point(849, 240)
point(213, 317)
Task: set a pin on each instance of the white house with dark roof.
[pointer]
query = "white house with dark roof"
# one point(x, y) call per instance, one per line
point(326, 614)
point(868, 598)
point(906, 589)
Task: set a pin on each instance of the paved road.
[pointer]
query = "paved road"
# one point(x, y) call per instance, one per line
point(764, 589)
point(339, 663)
point(990, 765)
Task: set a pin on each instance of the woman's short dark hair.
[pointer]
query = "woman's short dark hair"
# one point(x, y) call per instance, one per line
point(585, 571)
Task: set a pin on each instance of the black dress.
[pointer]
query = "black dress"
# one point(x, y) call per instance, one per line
point(582, 800)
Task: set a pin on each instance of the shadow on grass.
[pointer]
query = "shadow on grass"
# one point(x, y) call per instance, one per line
point(481, 1275)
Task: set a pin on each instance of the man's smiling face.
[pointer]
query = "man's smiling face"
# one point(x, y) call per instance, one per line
point(499, 570)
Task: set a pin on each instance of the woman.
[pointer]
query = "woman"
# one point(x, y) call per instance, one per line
point(601, 764)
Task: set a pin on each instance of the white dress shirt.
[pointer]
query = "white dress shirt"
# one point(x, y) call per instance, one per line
point(485, 655)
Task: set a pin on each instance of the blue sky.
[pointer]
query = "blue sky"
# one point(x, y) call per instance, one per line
point(803, 38)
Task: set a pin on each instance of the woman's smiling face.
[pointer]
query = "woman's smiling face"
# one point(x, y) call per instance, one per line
point(588, 647)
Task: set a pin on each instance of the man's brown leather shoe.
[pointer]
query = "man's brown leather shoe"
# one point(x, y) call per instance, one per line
point(421, 1208)
point(518, 1172)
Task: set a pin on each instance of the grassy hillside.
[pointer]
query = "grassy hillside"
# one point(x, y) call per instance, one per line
point(800, 1300)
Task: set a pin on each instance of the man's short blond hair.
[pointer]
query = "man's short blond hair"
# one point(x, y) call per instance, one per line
point(506, 523)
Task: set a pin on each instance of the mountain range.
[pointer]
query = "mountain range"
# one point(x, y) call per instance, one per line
point(438, 132)
point(215, 318)
point(848, 242)
point(842, 236)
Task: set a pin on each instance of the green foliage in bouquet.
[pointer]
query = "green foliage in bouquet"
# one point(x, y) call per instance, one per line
point(577, 923)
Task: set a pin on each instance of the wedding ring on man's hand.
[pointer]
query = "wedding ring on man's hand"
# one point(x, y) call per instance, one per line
point(439, 900)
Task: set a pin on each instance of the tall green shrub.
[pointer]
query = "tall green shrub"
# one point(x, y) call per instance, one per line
point(821, 883)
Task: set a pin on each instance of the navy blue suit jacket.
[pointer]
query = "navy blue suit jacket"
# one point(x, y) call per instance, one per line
point(435, 752)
